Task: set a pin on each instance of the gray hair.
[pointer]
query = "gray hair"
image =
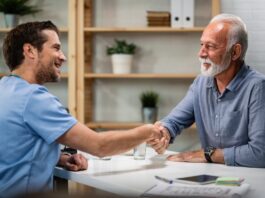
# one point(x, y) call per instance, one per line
point(238, 32)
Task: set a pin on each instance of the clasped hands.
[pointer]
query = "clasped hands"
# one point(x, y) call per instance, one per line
point(75, 162)
point(160, 146)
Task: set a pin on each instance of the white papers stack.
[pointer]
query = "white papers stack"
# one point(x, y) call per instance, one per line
point(162, 189)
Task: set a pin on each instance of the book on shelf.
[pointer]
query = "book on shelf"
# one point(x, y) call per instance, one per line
point(158, 18)
point(158, 14)
point(182, 13)
point(188, 13)
point(176, 13)
point(158, 24)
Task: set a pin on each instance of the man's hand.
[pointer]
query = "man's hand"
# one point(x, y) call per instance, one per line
point(161, 144)
point(189, 156)
point(73, 162)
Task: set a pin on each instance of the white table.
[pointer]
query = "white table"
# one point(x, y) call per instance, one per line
point(125, 176)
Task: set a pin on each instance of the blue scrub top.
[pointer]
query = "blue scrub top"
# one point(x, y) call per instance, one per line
point(31, 119)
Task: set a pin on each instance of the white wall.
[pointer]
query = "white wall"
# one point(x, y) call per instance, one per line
point(57, 12)
point(252, 12)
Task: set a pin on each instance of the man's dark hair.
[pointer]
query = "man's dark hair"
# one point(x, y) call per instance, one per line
point(25, 33)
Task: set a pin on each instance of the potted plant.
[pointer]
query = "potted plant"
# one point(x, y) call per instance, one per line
point(149, 100)
point(12, 9)
point(121, 56)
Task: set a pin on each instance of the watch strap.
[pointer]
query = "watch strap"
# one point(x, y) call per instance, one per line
point(208, 152)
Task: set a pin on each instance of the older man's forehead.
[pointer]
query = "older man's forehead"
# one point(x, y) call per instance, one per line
point(215, 32)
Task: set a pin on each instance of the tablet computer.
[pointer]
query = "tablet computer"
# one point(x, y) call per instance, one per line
point(198, 179)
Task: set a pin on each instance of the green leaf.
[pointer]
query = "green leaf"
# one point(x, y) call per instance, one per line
point(121, 47)
point(19, 7)
point(149, 99)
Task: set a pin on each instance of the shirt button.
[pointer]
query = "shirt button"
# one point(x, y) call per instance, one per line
point(216, 134)
point(219, 100)
point(216, 116)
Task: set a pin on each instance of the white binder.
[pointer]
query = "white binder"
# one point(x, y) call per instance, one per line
point(188, 13)
point(176, 13)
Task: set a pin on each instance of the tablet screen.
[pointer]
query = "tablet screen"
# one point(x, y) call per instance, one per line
point(200, 179)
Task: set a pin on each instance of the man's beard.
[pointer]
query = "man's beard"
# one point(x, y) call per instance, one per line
point(214, 69)
point(46, 74)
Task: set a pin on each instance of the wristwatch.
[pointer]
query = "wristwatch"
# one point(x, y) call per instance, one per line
point(208, 152)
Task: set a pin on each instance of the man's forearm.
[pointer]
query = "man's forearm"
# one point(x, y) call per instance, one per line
point(218, 156)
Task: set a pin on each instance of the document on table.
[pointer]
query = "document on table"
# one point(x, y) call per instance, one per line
point(162, 189)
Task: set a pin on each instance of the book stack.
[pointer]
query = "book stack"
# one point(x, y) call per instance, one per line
point(158, 19)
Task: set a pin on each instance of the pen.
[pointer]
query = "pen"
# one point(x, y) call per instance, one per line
point(169, 181)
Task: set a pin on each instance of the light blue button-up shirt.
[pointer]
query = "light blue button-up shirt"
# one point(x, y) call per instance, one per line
point(233, 121)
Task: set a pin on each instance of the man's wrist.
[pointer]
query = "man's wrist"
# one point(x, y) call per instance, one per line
point(208, 152)
point(64, 156)
point(66, 153)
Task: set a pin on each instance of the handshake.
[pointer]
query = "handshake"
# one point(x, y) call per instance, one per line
point(160, 138)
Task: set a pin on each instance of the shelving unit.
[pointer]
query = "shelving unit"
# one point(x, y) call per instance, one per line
point(63, 75)
point(68, 83)
point(140, 76)
point(141, 29)
point(88, 76)
point(62, 30)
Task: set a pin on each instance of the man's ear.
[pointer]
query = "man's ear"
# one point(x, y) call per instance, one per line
point(29, 51)
point(236, 52)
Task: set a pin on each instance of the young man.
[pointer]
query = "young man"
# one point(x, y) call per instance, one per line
point(226, 101)
point(33, 122)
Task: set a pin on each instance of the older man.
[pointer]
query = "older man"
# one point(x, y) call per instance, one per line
point(227, 102)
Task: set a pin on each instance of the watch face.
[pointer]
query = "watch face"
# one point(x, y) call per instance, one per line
point(208, 152)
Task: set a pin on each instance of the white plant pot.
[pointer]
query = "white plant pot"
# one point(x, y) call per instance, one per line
point(121, 63)
point(149, 114)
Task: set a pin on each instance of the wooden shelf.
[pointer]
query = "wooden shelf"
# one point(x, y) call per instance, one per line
point(1, 74)
point(118, 125)
point(139, 76)
point(141, 29)
point(4, 30)
point(63, 75)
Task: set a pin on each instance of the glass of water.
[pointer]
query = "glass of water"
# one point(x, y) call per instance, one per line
point(139, 152)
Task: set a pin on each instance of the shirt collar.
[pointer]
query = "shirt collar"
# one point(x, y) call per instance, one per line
point(232, 86)
point(234, 82)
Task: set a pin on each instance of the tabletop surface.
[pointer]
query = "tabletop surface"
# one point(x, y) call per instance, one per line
point(123, 175)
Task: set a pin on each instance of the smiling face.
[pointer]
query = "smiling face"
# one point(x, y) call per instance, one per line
point(50, 59)
point(213, 54)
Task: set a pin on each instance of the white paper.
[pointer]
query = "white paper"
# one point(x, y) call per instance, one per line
point(162, 189)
